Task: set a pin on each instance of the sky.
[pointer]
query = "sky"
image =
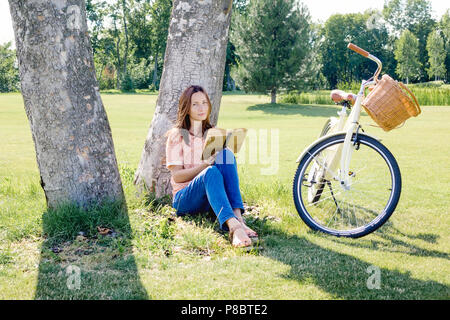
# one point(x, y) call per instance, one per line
point(320, 11)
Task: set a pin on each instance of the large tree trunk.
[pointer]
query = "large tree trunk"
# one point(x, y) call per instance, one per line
point(273, 96)
point(195, 54)
point(70, 130)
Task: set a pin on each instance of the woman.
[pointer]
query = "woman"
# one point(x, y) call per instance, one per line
point(199, 185)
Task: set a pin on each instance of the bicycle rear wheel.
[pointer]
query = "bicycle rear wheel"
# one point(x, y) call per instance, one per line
point(371, 198)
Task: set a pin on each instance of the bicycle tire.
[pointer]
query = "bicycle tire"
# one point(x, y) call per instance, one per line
point(381, 218)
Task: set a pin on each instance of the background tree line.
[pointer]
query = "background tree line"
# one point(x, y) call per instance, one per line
point(266, 52)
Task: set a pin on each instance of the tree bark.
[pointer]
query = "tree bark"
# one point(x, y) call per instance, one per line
point(69, 126)
point(227, 73)
point(125, 29)
point(155, 72)
point(117, 36)
point(195, 54)
point(273, 95)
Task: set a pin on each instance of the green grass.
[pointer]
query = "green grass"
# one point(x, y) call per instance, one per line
point(429, 94)
point(432, 96)
point(150, 254)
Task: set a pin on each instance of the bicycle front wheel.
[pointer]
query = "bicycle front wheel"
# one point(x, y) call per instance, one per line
point(358, 209)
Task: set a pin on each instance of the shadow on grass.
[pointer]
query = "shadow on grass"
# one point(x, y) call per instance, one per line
point(394, 244)
point(342, 275)
point(294, 109)
point(347, 277)
point(391, 240)
point(312, 110)
point(136, 92)
point(88, 255)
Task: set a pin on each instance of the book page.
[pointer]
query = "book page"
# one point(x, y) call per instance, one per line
point(218, 139)
point(214, 141)
point(236, 139)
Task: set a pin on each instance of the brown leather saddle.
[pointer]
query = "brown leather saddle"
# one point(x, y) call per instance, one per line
point(339, 96)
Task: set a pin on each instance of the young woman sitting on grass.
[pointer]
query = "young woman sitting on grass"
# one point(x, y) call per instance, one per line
point(199, 185)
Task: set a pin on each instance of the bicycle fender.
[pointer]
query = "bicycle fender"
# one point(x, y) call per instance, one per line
point(316, 142)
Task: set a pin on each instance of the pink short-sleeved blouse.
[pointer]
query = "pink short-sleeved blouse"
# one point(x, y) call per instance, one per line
point(179, 153)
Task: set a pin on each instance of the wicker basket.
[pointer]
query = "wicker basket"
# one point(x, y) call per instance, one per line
point(389, 104)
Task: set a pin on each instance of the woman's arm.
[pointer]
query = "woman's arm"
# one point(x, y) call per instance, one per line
point(182, 175)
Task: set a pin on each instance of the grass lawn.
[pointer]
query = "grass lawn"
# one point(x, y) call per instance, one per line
point(153, 255)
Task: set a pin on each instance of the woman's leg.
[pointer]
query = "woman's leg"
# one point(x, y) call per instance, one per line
point(206, 187)
point(227, 165)
point(207, 190)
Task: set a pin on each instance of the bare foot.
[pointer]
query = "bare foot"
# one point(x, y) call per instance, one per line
point(248, 231)
point(238, 236)
point(251, 233)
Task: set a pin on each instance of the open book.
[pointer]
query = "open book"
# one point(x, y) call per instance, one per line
point(218, 139)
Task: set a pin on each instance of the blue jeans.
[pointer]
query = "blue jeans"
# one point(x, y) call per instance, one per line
point(216, 187)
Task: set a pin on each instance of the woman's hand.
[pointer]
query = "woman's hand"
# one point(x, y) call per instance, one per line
point(210, 160)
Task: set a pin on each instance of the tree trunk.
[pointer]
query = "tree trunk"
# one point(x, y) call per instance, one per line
point(155, 72)
point(273, 96)
point(100, 76)
point(125, 54)
point(195, 54)
point(70, 130)
point(227, 74)
point(116, 33)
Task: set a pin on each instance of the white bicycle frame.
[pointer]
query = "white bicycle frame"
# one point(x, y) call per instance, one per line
point(352, 124)
point(349, 127)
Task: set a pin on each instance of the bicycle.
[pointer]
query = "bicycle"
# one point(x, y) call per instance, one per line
point(347, 182)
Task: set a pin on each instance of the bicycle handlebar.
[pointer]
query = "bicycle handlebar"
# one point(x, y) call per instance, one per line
point(366, 54)
point(357, 49)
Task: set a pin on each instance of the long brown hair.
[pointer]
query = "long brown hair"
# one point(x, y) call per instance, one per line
point(183, 121)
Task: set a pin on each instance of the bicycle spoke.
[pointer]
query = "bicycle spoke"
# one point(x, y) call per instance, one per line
point(322, 200)
point(350, 185)
point(354, 212)
point(370, 192)
point(324, 166)
point(351, 208)
point(332, 216)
